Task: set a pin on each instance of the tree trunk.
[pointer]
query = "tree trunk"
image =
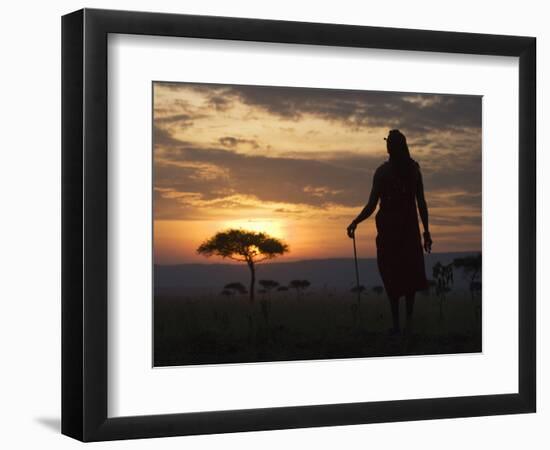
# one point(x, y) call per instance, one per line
point(252, 280)
point(252, 332)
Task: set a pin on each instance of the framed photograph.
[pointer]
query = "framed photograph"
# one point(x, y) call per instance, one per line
point(273, 224)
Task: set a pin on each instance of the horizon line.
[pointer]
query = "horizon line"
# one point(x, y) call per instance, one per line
point(278, 261)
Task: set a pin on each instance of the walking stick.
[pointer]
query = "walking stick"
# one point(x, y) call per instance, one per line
point(356, 268)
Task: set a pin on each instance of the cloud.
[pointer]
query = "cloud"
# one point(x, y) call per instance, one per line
point(321, 191)
point(220, 177)
point(219, 102)
point(415, 113)
point(192, 179)
point(232, 142)
point(163, 138)
point(182, 120)
point(278, 179)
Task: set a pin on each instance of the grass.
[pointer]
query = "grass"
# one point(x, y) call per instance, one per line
point(213, 329)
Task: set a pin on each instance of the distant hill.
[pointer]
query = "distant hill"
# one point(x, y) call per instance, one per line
point(322, 273)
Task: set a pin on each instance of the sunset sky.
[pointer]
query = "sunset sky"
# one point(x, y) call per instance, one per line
point(297, 163)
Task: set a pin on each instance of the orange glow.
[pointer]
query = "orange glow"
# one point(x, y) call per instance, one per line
point(275, 228)
point(222, 162)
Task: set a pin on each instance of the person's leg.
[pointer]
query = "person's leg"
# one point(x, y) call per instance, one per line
point(394, 304)
point(409, 299)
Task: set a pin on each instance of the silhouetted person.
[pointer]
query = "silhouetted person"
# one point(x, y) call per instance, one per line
point(397, 184)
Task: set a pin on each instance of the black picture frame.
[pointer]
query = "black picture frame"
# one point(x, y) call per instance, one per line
point(84, 224)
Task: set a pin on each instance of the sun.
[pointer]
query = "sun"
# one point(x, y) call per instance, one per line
point(274, 228)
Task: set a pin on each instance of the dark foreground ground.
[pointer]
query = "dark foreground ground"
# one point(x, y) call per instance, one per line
point(211, 329)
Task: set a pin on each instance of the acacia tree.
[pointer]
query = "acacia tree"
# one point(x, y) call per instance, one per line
point(358, 289)
point(236, 288)
point(245, 246)
point(299, 285)
point(378, 290)
point(269, 285)
point(443, 276)
point(471, 266)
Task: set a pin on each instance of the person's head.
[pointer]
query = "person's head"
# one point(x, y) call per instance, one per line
point(396, 143)
point(400, 158)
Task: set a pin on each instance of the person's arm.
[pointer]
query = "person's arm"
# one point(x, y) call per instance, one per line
point(423, 211)
point(369, 208)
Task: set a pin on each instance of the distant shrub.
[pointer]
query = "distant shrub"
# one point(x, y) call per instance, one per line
point(268, 285)
point(299, 286)
point(236, 287)
point(356, 289)
point(378, 290)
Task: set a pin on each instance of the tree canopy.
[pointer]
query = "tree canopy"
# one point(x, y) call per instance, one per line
point(244, 246)
point(378, 290)
point(299, 285)
point(236, 287)
point(358, 289)
point(471, 265)
point(268, 285)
